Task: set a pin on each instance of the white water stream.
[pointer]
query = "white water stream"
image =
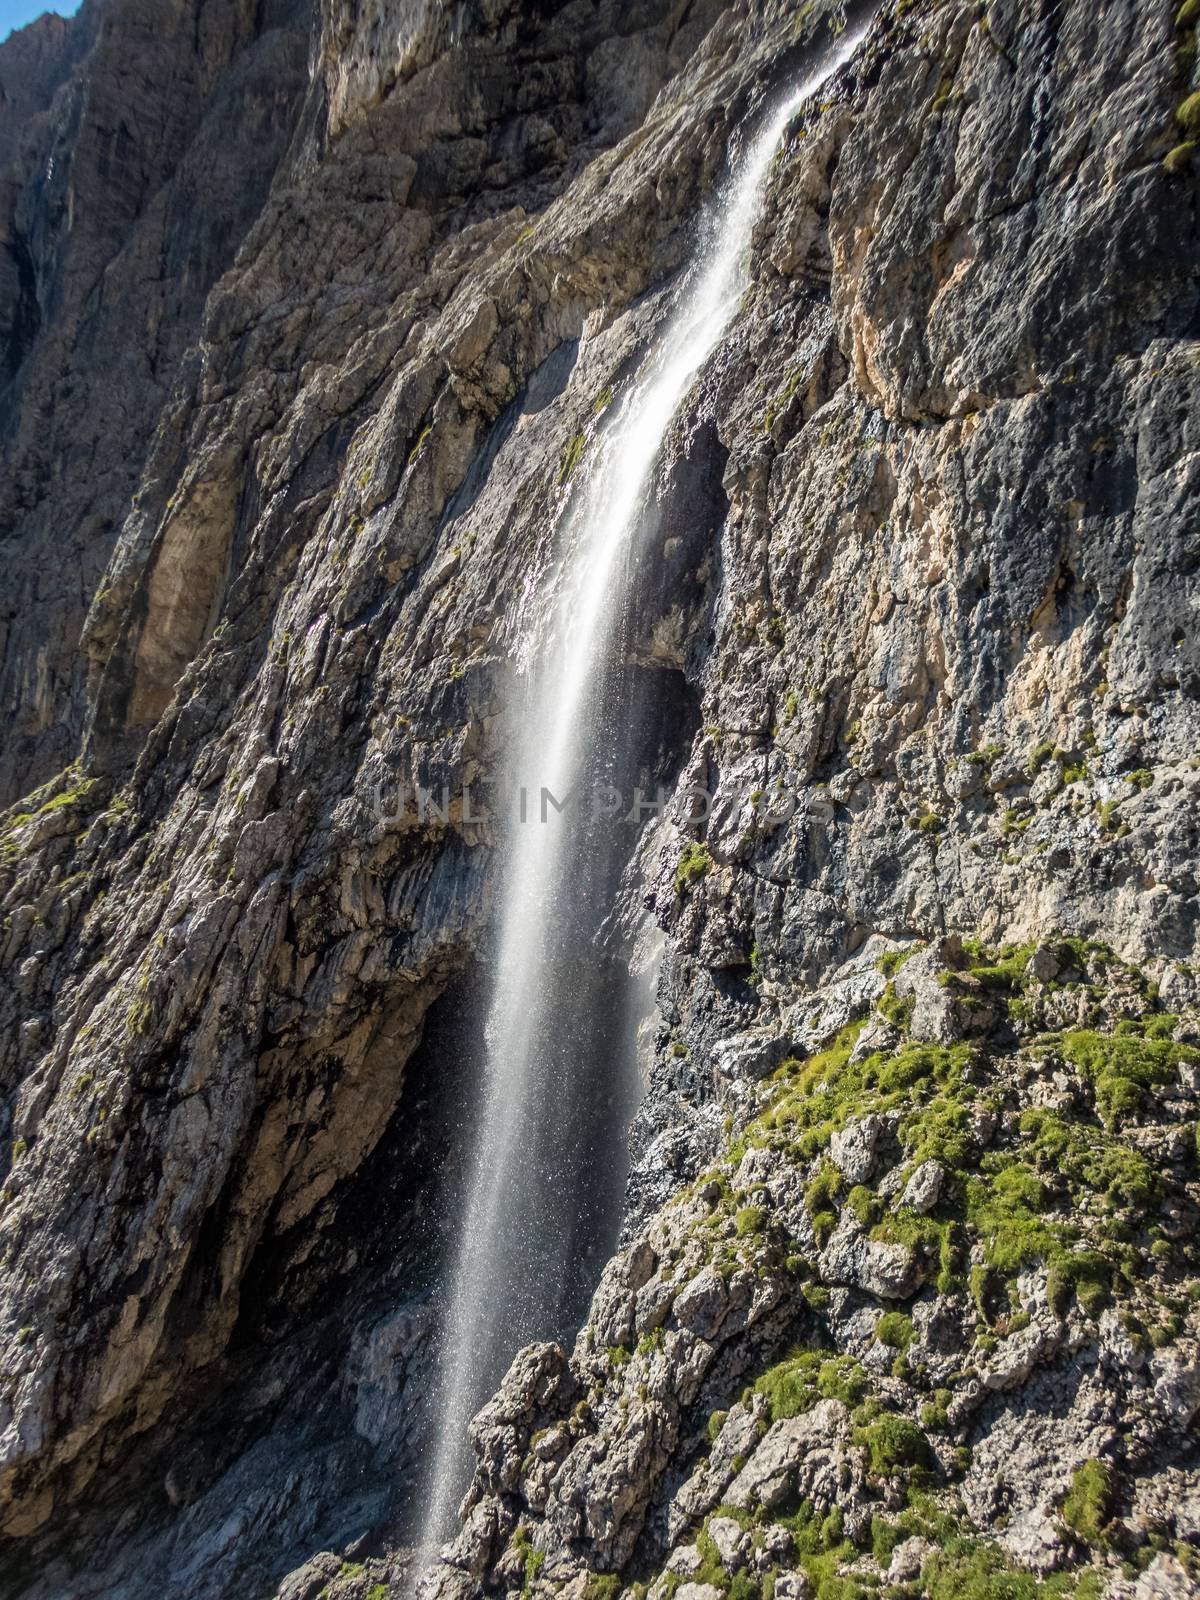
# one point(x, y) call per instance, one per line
point(518, 1234)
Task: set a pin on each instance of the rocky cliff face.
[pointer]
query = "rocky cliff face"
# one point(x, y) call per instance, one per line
point(311, 324)
point(137, 145)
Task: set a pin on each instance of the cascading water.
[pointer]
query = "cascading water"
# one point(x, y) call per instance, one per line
point(551, 1131)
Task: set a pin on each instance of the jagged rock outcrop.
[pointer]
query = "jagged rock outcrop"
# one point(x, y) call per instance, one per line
point(919, 590)
point(803, 1379)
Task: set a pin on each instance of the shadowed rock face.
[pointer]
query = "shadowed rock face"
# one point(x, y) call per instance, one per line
point(137, 144)
point(310, 325)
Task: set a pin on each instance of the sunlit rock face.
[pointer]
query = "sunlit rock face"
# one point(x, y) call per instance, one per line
point(313, 328)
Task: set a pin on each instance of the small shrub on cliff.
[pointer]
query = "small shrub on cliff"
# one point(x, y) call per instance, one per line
point(1088, 1505)
point(895, 1445)
point(895, 1330)
point(695, 863)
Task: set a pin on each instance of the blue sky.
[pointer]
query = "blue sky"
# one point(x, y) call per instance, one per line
point(16, 13)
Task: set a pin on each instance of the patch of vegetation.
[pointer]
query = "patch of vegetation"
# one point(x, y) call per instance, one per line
point(422, 439)
point(894, 1446)
point(67, 788)
point(695, 863)
point(603, 1586)
point(986, 756)
point(1124, 1068)
point(1089, 1502)
point(895, 1010)
point(891, 961)
point(820, 1199)
point(976, 1569)
point(895, 1330)
point(572, 456)
point(795, 1384)
point(782, 400)
point(926, 822)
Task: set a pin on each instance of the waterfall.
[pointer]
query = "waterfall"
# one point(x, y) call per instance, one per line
point(549, 1142)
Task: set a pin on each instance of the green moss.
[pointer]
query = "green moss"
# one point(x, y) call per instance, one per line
point(783, 399)
point(1122, 1069)
point(926, 822)
point(572, 456)
point(695, 863)
point(820, 1199)
point(422, 439)
point(935, 1414)
point(896, 1011)
point(976, 1569)
point(1088, 1505)
point(1187, 114)
point(895, 1330)
point(795, 1384)
point(894, 1446)
point(986, 756)
point(749, 1219)
point(603, 1586)
point(1089, 1159)
point(1005, 972)
point(891, 961)
point(715, 1423)
point(862, 1203)
point(820, 1548)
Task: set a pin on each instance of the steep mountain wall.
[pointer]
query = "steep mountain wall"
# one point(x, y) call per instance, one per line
point(919, 600)
point(137, 145)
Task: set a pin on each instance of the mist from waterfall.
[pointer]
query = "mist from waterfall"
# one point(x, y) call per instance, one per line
point(559, 1085)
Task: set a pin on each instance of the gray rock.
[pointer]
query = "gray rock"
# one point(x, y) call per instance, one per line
point(908, 1558)
point(731, 1540)
point(806, 1456)
point(924, 1187)
point(793, 1586)
point(853, 1149)
point(881, 1268)
point(1165, 1579)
